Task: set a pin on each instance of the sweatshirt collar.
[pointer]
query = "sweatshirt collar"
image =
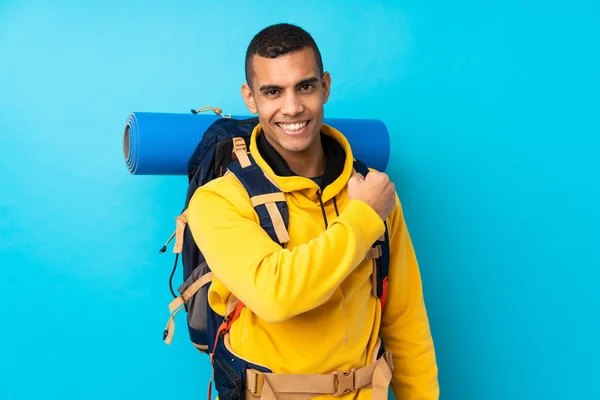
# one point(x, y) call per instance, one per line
point(338, 164)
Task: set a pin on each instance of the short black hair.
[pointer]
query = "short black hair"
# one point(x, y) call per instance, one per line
point(277, 40)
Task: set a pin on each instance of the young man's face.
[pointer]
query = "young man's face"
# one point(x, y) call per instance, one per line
point(288, 93)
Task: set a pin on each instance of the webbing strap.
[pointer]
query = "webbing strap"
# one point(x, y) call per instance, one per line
point(374, 252)
point(231, 306)
point(278, 224)
point(181, 223)
point(267, 198)
point(202, 347)
point(270, 386)
point(178, 304)
point(170, 328)
point(382, 376)
point(240, 151)
point(190, 291)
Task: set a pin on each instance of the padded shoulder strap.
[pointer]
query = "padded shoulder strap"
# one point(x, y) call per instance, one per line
point(383, 258)
point(361, 168)
point(383, 266)
point(268, 201)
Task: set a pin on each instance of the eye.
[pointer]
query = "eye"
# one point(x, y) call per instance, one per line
point(271, 93)
point(306, 87)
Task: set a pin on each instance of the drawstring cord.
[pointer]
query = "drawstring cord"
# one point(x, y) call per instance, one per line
point(335, 206)
point(337, 213)
point(322, 208)
point(216, 110)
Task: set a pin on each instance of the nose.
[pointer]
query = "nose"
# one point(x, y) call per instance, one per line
point(291, 104)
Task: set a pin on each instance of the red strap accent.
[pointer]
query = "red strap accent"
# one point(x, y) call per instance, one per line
point(236, 313)
point(226, 325)
point(224, 328)
point(384, 292)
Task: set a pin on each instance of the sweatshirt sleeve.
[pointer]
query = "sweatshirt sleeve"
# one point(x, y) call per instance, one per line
point(276, 283)
point(405, 327)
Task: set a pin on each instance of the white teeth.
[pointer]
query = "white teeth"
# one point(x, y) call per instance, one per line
point(294, 127)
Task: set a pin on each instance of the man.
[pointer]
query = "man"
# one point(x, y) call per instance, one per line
point(309, 305)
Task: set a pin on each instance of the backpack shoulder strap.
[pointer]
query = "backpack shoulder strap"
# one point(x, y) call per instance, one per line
point(361, 168)
point(380, 252)
point(270, 205)
point(267, 199)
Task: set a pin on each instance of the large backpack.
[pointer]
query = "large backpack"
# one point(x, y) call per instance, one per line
point(224, 148)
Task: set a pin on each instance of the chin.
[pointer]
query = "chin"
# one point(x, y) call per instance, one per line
point(300, 144)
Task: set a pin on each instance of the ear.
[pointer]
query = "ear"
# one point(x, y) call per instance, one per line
point(326, 86)
point(248, 98)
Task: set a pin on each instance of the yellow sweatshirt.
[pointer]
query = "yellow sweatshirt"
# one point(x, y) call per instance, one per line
point(309, 306)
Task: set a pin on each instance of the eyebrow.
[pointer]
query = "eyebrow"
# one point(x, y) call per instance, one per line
point(264, 88)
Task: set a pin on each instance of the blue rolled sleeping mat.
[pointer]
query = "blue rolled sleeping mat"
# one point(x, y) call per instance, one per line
point(162, 143)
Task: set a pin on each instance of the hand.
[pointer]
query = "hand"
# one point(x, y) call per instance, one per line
point(376, 190)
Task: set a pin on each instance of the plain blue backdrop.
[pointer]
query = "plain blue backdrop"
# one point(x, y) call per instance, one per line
point(493, 113)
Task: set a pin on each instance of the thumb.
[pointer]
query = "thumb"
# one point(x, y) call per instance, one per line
point(358, 176)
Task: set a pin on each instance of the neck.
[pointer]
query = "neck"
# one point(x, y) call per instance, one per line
point(307, 164)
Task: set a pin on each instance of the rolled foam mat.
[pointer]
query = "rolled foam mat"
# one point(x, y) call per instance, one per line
point(162, 143)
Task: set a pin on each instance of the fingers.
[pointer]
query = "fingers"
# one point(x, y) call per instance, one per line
point(376, 175)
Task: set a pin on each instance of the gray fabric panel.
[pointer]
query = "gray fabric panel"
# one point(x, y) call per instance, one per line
point(198, 272)
point(197, 305)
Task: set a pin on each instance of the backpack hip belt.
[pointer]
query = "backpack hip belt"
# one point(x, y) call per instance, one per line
point(270, 386)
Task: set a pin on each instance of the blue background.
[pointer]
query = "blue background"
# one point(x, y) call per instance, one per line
point(493, 112)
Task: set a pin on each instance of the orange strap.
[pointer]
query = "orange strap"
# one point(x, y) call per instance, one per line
point(236, 313)
point(384, 292)
point(224, 328)
point(226, 325)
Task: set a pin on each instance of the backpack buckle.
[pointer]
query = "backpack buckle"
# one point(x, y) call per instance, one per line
point(255, 382)
point(374, 252)
point(344, 382)
point(240, 152)
point(239, 145)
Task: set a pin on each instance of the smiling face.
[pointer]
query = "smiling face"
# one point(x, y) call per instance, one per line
point(288, 94)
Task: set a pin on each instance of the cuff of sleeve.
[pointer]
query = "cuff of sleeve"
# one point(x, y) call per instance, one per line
point(365, 219)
